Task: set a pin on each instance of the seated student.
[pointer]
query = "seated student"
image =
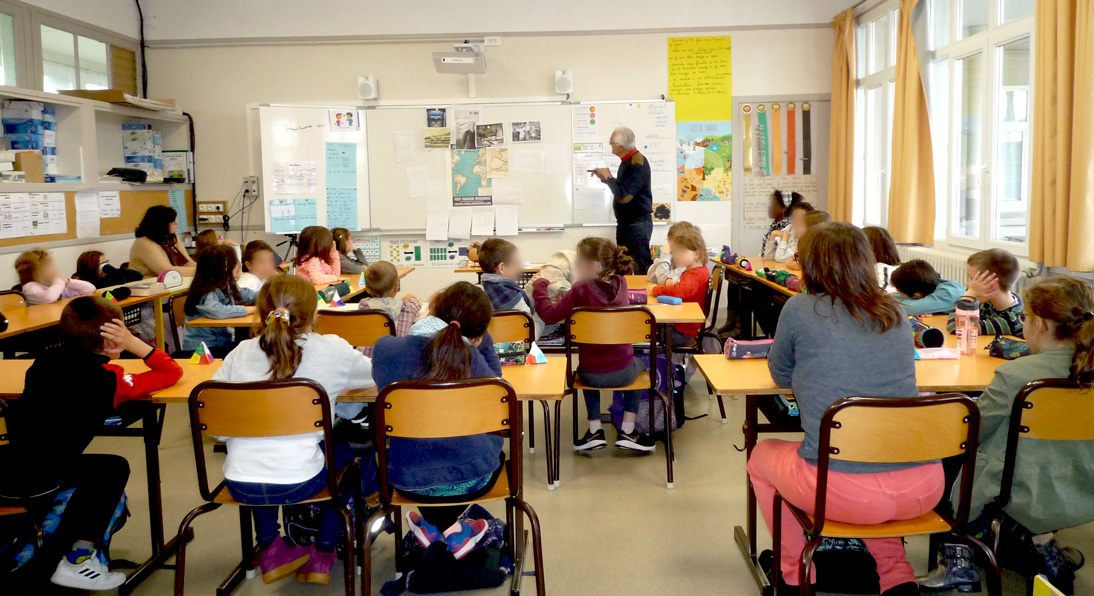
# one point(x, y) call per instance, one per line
point(846, 308)
point(501, 268)
point(600, 268)
point(258, 265)
point(94, 267)
point(786, 241)
point(46, 454)
point(209, 238)
point(992, 273)
point(382, 283)
point(317, 259)
point(922, 291)
point(811, 218)
point(778, 209)
point(352, 259)
point(214, 294)
point(886, 256)
point(1051, 486)
point(448, 345)
point(689, 252)
point(41, 282)
point(662, 268)
point(282, 470)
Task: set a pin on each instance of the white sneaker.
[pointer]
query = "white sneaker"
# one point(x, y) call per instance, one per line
point(88, 575)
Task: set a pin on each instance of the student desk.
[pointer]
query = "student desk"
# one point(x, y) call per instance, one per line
point(41, 316)
point(356, 289)
point(752, 379)
point(762, 290)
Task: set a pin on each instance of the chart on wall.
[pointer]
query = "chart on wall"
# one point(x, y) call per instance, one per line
point(701, 83)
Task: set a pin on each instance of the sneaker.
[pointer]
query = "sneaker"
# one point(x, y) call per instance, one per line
point(89, 574)
point(634, 442)
point(317, 569)
point(280, 559)
point(591, 441)
point(470, 533)
point(1058, 568)
point(424, 531)
point(956, 570)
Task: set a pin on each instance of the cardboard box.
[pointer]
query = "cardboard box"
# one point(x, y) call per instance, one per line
point(30, 163)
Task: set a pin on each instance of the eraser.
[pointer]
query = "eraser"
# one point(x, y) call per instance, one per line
point(669, 300)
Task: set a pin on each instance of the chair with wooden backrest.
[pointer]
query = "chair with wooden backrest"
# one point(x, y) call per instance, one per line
point(710, 327)
point(11, 300)
point(254, 410)
point(361, 328)
point(12, 510)
point(511, 326)
point(175, 305)
point(439, 409)
point(1047, 410)
point(615, 326)
point(892, 431)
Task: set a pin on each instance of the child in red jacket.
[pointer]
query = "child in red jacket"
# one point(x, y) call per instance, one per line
point(689, 252)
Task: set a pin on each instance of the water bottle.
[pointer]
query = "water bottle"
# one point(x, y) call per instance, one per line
point(967, 324)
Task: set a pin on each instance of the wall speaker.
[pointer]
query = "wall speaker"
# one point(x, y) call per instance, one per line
point(367, 88)
point(564, 81)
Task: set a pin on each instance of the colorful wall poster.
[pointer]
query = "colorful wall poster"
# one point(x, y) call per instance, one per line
point(446, 253)
point(701, 83)
point(405, 252)
point(345, 119)
point(370, 245)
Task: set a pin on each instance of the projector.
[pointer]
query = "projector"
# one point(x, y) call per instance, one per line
point(466, 58)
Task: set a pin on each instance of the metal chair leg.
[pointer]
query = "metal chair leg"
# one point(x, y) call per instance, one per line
point(531, 428)
point(776, 541)
point(537, 546)
point(180, 557)
point(807, 565)
point(350, 568)
point(365, 540)
point(994, 575)
point(669, 454)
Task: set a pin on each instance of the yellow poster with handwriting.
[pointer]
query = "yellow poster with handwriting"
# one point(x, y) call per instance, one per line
point(701, 84)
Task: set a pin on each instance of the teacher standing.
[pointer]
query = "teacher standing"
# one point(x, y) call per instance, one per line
point(632, 198)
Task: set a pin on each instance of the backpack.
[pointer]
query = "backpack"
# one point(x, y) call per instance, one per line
point(642, 421)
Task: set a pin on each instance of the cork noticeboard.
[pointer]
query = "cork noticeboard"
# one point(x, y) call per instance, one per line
point(134, 204)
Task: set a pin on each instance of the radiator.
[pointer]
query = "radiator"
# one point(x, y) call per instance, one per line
point(949, 265)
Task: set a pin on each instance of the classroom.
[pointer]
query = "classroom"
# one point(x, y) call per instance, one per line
point(774, 298)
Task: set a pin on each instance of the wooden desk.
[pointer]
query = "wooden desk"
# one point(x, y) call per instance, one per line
point(759, 263)
point(526, 275)
point(41, 316)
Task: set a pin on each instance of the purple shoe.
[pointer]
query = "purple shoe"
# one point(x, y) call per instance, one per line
point(423, 530)
point(470, 533)
point(317, 569)
point(280, 559)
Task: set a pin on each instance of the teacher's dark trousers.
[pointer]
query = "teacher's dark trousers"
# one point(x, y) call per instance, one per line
point(636, 237)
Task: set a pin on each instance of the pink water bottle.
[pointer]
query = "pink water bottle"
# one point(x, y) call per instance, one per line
point(967, 324)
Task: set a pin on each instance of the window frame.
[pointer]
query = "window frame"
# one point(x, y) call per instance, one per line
point(884, 81)
point(77, 29)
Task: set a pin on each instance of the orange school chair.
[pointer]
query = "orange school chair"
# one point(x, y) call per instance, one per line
point(261, 409)
point(511, 326)
point(360, 328)
point(614, 326)
point(431, 409)
point(892, 430)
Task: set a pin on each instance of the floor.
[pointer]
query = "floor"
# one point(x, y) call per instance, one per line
point(611, 528)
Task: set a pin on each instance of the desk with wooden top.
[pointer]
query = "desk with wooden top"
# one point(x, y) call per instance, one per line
point(752, 378)
point(761, 287)
point(41, 316)
point(530, 271)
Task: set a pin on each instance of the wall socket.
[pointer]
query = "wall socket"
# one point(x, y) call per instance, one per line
point(250, 186)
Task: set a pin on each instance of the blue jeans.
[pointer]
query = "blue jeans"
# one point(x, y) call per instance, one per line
point(262, 493)
point(612, 379)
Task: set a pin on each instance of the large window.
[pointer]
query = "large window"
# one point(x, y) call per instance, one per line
point(875, 45)
point(980, 76)
point(73, 61)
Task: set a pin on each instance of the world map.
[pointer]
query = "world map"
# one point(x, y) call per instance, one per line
point(472, 170)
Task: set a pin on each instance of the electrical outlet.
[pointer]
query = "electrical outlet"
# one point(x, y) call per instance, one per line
point(250, 186)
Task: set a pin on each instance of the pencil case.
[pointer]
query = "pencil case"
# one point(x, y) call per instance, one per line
point(670, 300)
point(638, 296)
point(742, 350)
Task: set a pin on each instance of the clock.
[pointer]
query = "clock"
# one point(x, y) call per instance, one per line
point(170, 279)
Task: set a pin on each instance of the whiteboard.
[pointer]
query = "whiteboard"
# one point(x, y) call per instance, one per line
point(653, 123)
point(546, 194)
point(304, 160)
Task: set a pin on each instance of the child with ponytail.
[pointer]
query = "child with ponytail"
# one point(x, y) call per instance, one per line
point(283, 470)
point(600, 267)
point(448, 345)
point(1051, 488)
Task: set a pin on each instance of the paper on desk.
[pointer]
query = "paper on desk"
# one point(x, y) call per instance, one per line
point(507, 192)
point(87, 214)
point(482, 221)
point(436, 225)
point(937, 354)
point(459, 224)
point(417, 181)
point(506, 220)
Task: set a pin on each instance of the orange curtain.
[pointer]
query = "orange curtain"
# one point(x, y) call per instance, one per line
point(1062, 203)
point(841, 147)
point(911, 189)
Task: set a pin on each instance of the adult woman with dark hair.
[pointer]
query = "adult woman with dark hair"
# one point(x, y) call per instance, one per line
point(158, 247)
point(845, 338)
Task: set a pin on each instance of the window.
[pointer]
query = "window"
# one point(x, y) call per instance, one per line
point(876, 64)
point(8, 58)
point(980, 77)
point(71, 61)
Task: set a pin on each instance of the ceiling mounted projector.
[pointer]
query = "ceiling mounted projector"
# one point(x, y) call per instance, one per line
point(467, 58)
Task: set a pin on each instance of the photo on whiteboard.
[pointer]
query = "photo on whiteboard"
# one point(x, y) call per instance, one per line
point(463, 134)
point(344, 119)
point(438, 138)
point(703, 160)
point(490, 135)
point(435, 117)
point(527, 132)
point(662, 212)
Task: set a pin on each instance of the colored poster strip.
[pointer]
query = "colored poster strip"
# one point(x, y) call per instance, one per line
point(807, 141)
point(776, 139)
point(747, 128)
point(765, 140)
point(791, 137)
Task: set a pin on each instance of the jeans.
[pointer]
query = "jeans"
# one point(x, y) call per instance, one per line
point(636, 237)
point(852, 498)
point(263, 493)
point(617, 378)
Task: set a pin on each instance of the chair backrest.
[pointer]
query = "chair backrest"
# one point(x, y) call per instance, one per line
point(1049, 409)
point(610, 325)
point(4, 440)
point(899, 430)
point(714, 298)
point(445, 409)
point(254, 410)
point(508, 326)
point(10, 299)
point(359, 327)
point(175, 305)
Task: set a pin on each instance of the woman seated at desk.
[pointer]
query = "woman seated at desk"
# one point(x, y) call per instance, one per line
point(158, 247)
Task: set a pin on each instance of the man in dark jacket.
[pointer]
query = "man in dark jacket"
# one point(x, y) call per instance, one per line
point(632, 198)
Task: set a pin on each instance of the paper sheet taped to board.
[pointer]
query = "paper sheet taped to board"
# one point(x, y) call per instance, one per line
point(758, 190)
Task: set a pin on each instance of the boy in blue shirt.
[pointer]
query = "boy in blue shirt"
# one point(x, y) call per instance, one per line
point(922, 291)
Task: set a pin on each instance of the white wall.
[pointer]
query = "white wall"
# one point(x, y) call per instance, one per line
point(215, 84)
point(241, 19)
point(119, 16)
